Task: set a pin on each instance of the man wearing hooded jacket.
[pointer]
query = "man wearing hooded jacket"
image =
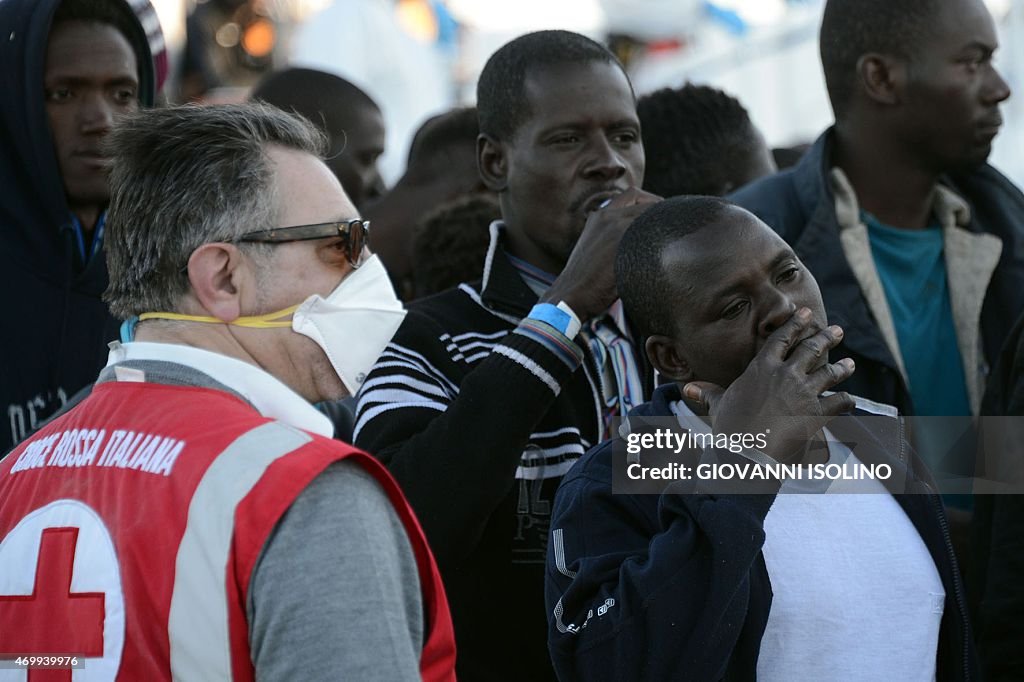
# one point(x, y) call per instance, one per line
point(67, 68)
point(713, 572)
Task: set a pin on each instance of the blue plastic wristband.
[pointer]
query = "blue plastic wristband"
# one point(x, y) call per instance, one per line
point(558, 316)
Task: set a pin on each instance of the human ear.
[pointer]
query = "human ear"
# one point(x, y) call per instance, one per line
point(214, 271)
point(492, 163)
point(665, 356)
point(881, 77)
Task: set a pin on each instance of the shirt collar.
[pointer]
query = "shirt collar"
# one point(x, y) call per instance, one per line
point(267, 394)
point(87, 252)
point(948, 208)
point(538, 280)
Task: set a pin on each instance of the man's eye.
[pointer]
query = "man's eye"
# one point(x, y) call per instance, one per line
point(58, 94)
point(125, 96)
point(789, 274)
point(625, 138)
point(341, 247)
point(975, 62)
point(565, 139)
point(733, 311)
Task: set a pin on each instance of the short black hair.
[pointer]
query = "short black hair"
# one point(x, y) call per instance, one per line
point(315, 95)
point(643, 285)
point(852, 28)
point(450, 244)
point(501, 89)
point(458, 126)
point(695, 138)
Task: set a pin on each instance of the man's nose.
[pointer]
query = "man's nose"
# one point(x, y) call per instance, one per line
point(996, 88)
point(96, 114)
point(776, 311)
point(373, 184)
point(605, 162)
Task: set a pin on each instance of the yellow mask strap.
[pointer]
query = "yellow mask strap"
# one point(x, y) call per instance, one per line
point(266, 321)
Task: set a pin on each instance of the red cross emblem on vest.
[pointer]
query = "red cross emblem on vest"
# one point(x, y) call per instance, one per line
point(53, 620)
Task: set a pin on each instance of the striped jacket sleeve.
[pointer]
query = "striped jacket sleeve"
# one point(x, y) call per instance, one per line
point(451, 415)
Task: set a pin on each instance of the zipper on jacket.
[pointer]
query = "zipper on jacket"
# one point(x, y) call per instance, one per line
point(944, 524)
point(903, 440)
point(588, 363)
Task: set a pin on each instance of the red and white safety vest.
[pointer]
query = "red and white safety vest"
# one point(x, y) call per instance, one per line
point(131, 526)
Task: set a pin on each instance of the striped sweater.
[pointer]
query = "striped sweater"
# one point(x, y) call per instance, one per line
point(479, 413)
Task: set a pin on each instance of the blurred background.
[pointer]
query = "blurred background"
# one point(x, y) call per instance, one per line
point(419, 57)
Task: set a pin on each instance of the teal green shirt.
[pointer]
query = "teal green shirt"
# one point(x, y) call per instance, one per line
point(912, 268)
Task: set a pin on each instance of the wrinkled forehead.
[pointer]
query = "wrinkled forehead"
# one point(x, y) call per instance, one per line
point(736, 249)
point(306, 190)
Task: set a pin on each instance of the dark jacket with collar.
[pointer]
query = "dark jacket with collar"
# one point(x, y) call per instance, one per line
point(674, 586)
point(997, 540)
point(798, 203)
point(54, 327)
point(478, 423)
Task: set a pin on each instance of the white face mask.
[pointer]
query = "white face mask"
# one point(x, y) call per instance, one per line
point(353, 325)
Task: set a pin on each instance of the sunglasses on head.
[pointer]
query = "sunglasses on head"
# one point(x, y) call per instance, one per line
point(353, 232)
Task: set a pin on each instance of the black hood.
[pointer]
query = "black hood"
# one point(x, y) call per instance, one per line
point(33, 207)
point(54, 326)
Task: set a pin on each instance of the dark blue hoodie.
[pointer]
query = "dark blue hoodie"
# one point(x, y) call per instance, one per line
point(54, 327)
point(674, 586)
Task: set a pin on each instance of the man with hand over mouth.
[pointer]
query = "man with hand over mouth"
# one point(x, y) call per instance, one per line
point(491, 391)
point(698, 581)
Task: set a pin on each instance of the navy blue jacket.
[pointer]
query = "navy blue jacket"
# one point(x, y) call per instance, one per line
point(674, 586)
point(798, 204)
point(997, 540)
point(54, 327)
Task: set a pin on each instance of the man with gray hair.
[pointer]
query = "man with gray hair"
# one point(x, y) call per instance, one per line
point(192, 518)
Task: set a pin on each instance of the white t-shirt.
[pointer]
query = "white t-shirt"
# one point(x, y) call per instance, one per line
point(856, 595)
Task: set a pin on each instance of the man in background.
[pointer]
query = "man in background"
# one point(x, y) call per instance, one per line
point(915, 240)
point(441, 169)
point(351, 119)
point(68, 69)
point(450, 244)
point(699, 140)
